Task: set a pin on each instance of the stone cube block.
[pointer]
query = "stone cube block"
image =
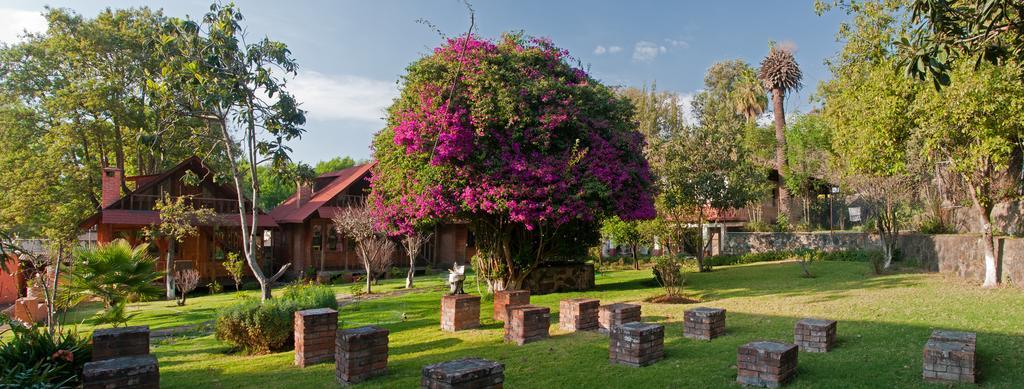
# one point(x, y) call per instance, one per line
point(949, 357)
point(766, 364)
point(704, 323)
point(578, 314)
point(815, 335)
point(460, 312)
point(468, 373)
point(111, 343)
point(505, 299)
point(315, 330)
point(360, 353)
point(527, 323)
point(636, 344)
point(611, 315)
point(131, 372)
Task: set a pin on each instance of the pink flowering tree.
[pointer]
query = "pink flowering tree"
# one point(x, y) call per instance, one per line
point(508, 136)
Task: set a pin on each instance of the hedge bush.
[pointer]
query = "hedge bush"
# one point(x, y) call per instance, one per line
point(260, 328)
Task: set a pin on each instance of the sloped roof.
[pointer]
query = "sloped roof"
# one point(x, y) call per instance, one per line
point(290, 212)
point(114, 214)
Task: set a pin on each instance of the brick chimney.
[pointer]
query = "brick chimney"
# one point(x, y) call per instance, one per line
point(303, 194)
point(111, 191)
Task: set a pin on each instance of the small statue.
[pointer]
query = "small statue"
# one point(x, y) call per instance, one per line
point(456, 276)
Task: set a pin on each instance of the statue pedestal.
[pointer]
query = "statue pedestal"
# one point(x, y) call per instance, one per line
point(460, 312)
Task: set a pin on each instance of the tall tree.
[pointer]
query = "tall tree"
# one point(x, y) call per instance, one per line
point(532, 151)
point(236, 88)
point(975, 124)
point(780, 75)
point(75, 99)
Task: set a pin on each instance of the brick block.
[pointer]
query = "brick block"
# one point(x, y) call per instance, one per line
point(315, 330)
point(578, 314)
point(468, 373)
point(704, 323)
point(111, 343)
point(636, 344)
point(949, 357)
point(766, 364)
point(815, 335)
point(460, 312)
point(360, 353)
point(615, 314)
point(527, 323)
point(132, 372)
point(505, 299)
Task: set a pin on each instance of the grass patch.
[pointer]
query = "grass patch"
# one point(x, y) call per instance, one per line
point(883, 324)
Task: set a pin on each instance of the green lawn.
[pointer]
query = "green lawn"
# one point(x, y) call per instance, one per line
point(883, 324)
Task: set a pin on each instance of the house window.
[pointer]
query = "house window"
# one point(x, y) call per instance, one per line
point(317, 238)
point(332, 242)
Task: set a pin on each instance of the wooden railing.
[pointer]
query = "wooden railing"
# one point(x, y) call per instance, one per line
point(140, 202)
point(345, 201)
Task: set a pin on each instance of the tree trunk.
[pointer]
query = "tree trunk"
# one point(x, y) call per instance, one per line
point(369, 276)
point(636, 262)
point(780, 149)
point(169, 270)
point(987, 242)
point(412, 270)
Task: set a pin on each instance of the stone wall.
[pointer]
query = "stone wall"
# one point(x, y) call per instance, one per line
point(560, 277)
point(759, 242)
point(954, 254)
point(961, 255)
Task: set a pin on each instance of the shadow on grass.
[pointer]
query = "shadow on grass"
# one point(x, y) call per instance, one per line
point(871, 354)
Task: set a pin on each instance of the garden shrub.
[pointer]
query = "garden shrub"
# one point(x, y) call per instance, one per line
point(668, 271)
point(33, 358)
point(772, 256)
point(260, 328)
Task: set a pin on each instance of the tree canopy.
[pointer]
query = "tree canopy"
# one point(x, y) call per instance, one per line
point(508, 135)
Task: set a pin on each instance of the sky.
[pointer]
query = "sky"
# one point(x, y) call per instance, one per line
point(352, 53)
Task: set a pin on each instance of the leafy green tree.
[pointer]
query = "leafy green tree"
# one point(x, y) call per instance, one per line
point(236, 87)
point(626, 232)
point(869, 107)
point(976, 124)
point(74, 99)
point(780, 74)
point(113, 273)
point(704, 172)
point(178, 220)
point(334, 164)
point(808, 149)
point(949, 31)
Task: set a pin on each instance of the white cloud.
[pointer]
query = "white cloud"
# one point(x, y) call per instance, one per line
point(341, 97)
point(677, 43)
point(601, 50)
point(645, 51)
point(14, 22)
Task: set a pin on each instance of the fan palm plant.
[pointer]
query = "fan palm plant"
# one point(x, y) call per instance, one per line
point(748, 96)
point(113, 272)
point(780, 74)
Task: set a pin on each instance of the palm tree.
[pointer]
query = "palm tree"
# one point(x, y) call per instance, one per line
point(748, 96)
point(113, 273)
point(780, 74)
